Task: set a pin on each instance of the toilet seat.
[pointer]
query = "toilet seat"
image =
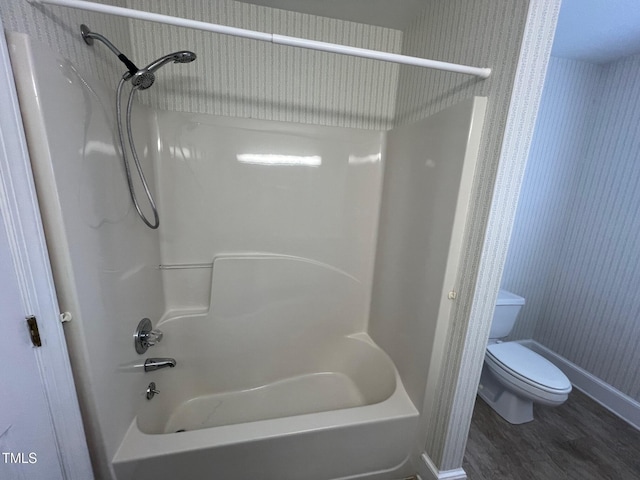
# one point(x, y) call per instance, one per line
point(527, 372)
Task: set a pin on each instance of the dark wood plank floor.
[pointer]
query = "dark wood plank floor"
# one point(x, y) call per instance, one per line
point(578, 440)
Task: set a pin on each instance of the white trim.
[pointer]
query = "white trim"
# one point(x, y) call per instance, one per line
point(606, 395)
point(21, 219)
point(270, 37)
point(427, 470)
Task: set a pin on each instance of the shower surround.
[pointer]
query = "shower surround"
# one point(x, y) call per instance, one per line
point(260, 276)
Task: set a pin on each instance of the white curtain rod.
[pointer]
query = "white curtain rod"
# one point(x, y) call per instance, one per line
point(269, 37)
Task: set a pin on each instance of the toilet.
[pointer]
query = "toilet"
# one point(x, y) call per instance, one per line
point(513, 376)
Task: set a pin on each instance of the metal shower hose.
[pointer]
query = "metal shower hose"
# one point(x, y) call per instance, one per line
point(136, 160)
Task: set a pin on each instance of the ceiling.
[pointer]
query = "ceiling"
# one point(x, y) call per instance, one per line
point(598, 31)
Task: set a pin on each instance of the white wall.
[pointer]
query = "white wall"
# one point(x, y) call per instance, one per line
point(104, 259)
point(585, 306)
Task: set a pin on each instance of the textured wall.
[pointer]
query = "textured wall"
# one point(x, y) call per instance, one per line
point(473, 316)
point(232, 76)
point(589, 308)
point(558, 149)
point(484, 33)
point(252, 79)
point(59, 28)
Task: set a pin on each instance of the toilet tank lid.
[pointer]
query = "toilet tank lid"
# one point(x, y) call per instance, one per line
point(507, 298)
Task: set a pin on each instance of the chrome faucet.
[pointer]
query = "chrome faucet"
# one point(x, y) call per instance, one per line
point(152, 364)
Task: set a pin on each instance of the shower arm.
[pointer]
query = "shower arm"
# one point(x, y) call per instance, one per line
point(90, 36)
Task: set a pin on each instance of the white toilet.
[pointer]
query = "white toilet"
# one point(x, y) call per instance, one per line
point(514, 377)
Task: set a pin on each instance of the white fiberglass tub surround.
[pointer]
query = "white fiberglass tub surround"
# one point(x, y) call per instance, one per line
point(264, 268)
point(274, 361)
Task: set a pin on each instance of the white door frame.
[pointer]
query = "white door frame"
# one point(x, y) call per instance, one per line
point(22, 222)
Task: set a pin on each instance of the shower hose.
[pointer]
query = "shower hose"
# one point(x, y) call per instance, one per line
point(134, 153)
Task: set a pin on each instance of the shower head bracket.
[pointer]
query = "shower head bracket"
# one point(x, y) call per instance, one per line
point(84, 30)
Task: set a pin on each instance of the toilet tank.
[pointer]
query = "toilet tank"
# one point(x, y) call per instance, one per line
point(508, 306)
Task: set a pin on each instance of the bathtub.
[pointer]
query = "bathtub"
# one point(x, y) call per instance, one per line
point(344, 413)
point(270, 383)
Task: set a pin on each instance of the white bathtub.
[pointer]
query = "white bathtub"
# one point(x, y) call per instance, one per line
point(342, 411)
point(271, 382)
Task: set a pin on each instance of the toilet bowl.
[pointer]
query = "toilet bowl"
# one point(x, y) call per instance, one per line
point(513, 376)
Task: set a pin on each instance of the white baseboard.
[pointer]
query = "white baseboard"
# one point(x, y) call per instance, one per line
point(427, 470)
point(609, 397)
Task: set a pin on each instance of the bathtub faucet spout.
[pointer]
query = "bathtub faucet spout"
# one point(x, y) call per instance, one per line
point(152, 364)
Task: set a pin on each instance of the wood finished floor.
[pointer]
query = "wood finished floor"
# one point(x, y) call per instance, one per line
point(578, 440)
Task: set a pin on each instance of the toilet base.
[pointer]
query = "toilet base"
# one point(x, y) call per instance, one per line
point(511, 407)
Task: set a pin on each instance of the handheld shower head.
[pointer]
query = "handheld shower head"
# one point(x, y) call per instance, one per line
point(145, 77)
point(183, 56)
point(140, 80)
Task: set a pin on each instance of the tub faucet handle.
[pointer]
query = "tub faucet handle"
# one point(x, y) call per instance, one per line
point(145, 336)
point(153, 337)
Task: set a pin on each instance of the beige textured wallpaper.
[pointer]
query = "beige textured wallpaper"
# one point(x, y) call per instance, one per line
point(574, 252)
point(482, 33)
point(515, 39)
point(247, 78)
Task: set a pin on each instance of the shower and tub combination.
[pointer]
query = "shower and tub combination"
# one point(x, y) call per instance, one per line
point(296, 283)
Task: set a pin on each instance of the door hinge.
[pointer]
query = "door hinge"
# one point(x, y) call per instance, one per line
point(32, 323)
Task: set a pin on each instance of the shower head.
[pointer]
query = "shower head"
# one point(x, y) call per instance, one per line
point(145, 77)
point(142, 80)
